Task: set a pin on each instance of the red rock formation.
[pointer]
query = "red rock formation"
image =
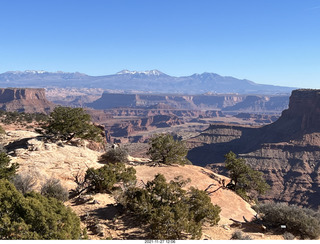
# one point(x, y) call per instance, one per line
point(105, 115)
point(128, 128)
point(29, 100)
point(304, 107)
point(230, 102)
point(287, 151)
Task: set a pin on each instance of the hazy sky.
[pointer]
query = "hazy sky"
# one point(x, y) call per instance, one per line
point(266, 41)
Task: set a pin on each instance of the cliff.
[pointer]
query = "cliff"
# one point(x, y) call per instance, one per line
point(304, 110)
point(287, 151)
point(182, 113)
point(227, 102)
point(29, 100)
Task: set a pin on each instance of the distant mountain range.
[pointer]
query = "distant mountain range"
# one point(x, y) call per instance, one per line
point(152, 81)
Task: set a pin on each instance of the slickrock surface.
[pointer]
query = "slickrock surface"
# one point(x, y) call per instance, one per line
point(54, 160)
point(49, 160)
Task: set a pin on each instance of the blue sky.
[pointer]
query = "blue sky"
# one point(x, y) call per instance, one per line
point(266, 41)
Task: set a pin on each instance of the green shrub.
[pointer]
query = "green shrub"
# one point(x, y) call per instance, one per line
point(7, 170)
point(17, 117)
point(166, 150)
point(2, 131)
point(104, 178)
point(34, 216)
point(169, 211)
point(299, 221)
point(53, 188)
point(116, 155)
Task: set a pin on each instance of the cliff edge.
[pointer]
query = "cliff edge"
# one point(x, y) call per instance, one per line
point(287, 151)
point(29, 100)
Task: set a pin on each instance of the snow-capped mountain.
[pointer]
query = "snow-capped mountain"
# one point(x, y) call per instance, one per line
point(147, 72)
point(151, 81)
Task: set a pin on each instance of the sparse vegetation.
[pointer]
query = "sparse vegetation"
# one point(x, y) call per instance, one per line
point(238, 235)
point(2, 131)
point(24, 183)
point(66, 123)
point(7, 169)
point(288, 236)
point(21, 118)
point(247, 182)
point(169, 211)
point(104, 178)
point(34, 216)
point(165, 150)
point(53, 188)
point(114, 155)
point(298, 221)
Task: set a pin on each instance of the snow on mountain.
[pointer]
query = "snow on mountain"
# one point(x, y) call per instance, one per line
point(147, 72)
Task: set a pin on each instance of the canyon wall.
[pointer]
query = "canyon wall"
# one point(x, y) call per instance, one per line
point(29, 100)
point(287, 151)
point(226, 102)
point(125, 131)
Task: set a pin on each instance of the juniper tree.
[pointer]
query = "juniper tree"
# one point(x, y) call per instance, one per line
point(7, 170)
point(34, 216)
point(247, 181)
point(169, 211)
point(66, 123)
point(103, 179)
point(164, 149)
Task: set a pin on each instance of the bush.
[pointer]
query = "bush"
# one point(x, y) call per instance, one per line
point(169, 211)
point(299, 221)
point(116, 155)
point(53, 188)
point(104, 178)
point(24, 183)
point(7, 170)
point(164, 149)
point(15, 117)
point(2, 131)
point(238, 235)
point(288, 236)
point(34, 216)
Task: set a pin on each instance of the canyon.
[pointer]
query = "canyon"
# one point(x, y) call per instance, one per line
point(287, 151)
point(225, 102)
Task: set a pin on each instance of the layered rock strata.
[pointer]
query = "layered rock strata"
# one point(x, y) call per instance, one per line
point(287, 151)
point(29, 100)
point(227, 102)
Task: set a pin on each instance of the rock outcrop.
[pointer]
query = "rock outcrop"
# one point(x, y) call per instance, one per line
point(44, 160)
point(29, 100)
point(287, 151)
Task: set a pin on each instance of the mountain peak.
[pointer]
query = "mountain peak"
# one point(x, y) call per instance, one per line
point(147, 72)
point(26, 72)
